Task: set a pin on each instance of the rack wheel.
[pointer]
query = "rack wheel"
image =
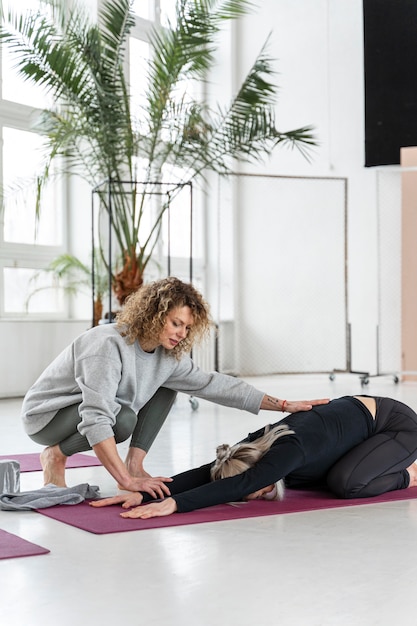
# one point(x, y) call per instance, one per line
point(364, 380)
point(332, 376)
point(396, 380)
point(194, 404)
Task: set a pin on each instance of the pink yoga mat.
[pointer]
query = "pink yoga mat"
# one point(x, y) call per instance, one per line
point(31, 463)
point(12, 546)
point(107, 519)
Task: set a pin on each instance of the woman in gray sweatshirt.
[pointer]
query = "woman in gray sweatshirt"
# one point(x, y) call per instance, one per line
point(120, 380)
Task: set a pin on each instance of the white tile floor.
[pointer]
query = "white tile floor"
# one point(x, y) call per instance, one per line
point(342, 567)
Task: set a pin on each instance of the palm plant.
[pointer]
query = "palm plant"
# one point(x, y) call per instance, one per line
point(102, 137)
point(73, 276)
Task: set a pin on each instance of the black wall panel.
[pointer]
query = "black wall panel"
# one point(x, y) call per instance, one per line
point(390, 58)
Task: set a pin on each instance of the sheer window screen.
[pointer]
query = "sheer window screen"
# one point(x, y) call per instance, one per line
point(290, 302)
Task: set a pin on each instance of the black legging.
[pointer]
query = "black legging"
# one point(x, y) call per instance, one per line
point(379, 464)
point(370, 468)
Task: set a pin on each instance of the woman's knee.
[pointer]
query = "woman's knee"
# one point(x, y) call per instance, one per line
point(125, 424)
point(161, 402)
point(63, 425)
point(340, 483)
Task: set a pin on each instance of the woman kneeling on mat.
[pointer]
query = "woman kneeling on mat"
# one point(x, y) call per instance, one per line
point(359, 446)
point(117, 381)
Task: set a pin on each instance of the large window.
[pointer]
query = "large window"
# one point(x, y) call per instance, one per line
point(159, 11)
point(22, 157)
point(29, 240)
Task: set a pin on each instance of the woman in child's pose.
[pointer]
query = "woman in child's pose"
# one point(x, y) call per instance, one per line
point(359, 446)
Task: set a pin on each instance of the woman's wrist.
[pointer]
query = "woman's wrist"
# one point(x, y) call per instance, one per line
point(270, 403)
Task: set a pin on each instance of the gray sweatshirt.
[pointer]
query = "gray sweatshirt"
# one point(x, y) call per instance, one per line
point(102, 372)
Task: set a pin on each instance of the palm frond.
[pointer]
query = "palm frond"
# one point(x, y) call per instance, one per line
point(187, 51)
point(199, 139)
point(72, 274)
point(92, 130)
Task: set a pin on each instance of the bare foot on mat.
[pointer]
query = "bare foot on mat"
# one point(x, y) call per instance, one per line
point(53, 465)
point(412, 470)
point(134, 463)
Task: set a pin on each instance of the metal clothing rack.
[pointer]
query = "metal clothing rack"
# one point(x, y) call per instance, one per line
point(105, 187)
point(364, 377)
point(166, 189)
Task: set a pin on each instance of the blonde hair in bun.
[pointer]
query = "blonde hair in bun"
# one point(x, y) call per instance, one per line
point(233, 460)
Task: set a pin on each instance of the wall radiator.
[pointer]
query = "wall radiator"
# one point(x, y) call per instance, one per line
point(205, 355)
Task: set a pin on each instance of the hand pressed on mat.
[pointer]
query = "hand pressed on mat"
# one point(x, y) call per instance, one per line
point(127, 500)
point(154, 509)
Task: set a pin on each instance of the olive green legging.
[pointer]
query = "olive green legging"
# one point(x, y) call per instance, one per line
point(143, 427)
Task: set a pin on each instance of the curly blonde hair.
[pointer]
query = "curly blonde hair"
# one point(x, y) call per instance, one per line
point(144, 313)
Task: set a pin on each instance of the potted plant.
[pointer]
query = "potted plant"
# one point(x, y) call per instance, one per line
point(94, 131)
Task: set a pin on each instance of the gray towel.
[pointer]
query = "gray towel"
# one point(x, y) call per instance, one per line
point(9, 476)
point(50, 495)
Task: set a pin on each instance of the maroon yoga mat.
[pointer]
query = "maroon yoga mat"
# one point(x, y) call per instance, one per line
point(12, 546)
point(107, 519)
point(31, 463)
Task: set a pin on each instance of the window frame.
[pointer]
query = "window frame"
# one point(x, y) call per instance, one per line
point(23, 255)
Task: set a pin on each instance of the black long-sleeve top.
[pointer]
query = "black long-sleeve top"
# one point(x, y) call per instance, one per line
point(322, 436)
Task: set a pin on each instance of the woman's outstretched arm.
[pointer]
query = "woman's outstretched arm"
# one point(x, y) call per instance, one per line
point(275, 464)
point(184, 481)
point(269, 403)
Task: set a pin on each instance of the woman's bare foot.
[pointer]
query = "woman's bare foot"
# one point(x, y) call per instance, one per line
point(134, 463)
point(412, 470)
point(53, 465)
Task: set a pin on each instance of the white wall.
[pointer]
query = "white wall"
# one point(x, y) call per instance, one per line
point(318, 47)
point(28, 347)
